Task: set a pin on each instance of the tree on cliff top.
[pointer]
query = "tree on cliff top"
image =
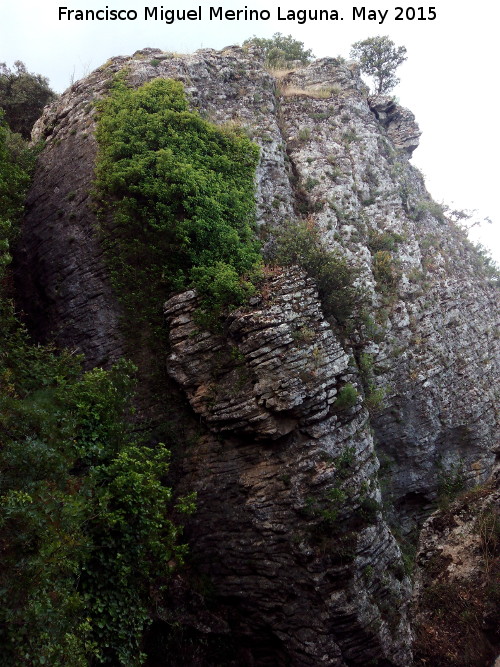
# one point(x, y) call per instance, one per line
point(281, 50)
point(379, 57)
point(23, 96)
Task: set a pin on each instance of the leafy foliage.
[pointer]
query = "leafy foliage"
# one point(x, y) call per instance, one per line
point(299, 242)
point(83, 517)
point(23, 96)
point(85, 531)
point(182, 199)
point(281, 50)
point(15, 165)
point(347, 397)
point(374, 395)
point(383, 240)
point(386, 271)
point(379, 57)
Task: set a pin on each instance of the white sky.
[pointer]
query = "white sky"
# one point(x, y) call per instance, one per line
point(449, 80)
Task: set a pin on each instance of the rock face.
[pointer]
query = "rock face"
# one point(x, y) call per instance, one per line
point(284, 361)
point(289, 526)
point(289, 503)
point(399, 123)
point(457, 597)
point(60, 272)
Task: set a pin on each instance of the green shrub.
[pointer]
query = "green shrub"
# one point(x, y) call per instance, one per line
point(483, 262)
point(16, 162)
point(221, 290)
point(379, 57)
point(84, 520)
point(281, 50)
point(310, 183)
point(383, 240)
point(374, 399)
point(386, 271)
point(365, 364)
point(347, 397)
point(23, 96)
point(345, 461)
point(181, 194)
point(304, 134)
point(369, 509)
point(305, 335)
point(349, 136)
point(300, 243)
point(374, 396)
point(427, 207)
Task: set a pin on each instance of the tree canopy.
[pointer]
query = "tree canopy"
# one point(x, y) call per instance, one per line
point(23, 96)
point(281, 50)
point(379, 57)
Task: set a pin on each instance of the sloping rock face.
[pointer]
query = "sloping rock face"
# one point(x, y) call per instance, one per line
point(60, 273)
point(288, 525)
point(399, 123)
point(293, 364)
point(457, 586)
point(288, 497)
point(432, 361)
point(331, 153)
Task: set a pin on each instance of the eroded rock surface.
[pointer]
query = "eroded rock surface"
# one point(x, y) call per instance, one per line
point(432, 341)
point(289, 525)
point(275, 369)
point(288, 497)
point(399, 123)
point(333, 154)
point(456, 598)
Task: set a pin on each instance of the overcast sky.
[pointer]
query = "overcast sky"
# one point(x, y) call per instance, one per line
point(449, 80)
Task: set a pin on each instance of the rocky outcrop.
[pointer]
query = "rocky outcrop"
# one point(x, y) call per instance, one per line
point(437, 366)
point(276, 368)
point(329, 152)
point(61, 279)
point(288, 499)
point(400, 123)
point(289, 524)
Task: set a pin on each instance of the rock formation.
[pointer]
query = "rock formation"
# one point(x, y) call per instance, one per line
point(289, 525)
point(457, 589)
point(288, 500)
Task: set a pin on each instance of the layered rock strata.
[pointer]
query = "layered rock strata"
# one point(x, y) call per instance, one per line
point(331, 153)
point(349, 157)
point(288, 497)
point(288, 525)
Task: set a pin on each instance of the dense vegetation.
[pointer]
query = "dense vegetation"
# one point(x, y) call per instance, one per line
point(85, 516)
point(85, 534)
point(23, 96)
point(182, 193)
point(281, 50)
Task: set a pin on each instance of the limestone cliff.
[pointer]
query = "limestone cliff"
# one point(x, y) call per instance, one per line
point(289, 504)
point(289, 524)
